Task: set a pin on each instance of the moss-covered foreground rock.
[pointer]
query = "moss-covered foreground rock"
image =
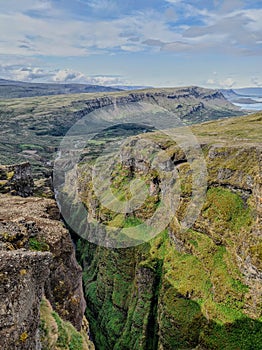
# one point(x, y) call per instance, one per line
point(194, 289)
point(56, 334)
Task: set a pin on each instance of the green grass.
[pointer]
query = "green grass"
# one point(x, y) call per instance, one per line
point(26, 146)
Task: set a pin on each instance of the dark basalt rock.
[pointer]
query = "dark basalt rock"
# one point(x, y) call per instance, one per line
point(22, 278)
point(17, 179)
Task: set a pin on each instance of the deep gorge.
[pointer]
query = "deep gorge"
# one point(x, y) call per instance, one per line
point(196, 289)
point(184, 289)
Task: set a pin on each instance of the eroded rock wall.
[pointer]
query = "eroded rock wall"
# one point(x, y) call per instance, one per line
point(199, 288)
point(23, 275)
point(37, 258)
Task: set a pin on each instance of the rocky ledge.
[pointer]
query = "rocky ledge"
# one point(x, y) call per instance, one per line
point(37, 258)
point(23, 275)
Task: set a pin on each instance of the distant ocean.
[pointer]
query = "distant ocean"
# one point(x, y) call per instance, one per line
point(250, 106)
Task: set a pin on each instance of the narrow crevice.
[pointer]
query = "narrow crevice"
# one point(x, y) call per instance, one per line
point(152, 332)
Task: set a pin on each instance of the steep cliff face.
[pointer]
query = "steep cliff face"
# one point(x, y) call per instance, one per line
point(33, 224)
point(23, 275)
point(199, 288)
point(37, 258)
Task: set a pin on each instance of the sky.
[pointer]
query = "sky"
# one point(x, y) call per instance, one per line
point(214, 43)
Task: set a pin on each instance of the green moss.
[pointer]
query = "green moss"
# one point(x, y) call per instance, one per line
point(256, 254)
point(63, 339)
point(23, 337)
point(226, 209)
point(9, 175)
point(38, 245)
point(58, 334)
point(76, 342)
point(131, 221)
point(244, 334)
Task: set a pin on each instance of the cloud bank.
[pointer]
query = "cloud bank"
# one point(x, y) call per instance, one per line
point(51, 31)
point(38, 74)
point(43, 28)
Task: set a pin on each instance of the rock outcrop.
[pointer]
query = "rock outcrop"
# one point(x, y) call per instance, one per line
point(17, 180)
point(37, 258)
point(33, 223)
point(23, 275)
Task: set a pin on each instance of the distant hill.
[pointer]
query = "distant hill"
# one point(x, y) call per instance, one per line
point(132, 87)
point(232, 94)
point(246, 98)
point(19, 89)
point(33, 130)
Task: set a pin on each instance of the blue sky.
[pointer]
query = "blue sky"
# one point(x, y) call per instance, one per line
point(212, 43)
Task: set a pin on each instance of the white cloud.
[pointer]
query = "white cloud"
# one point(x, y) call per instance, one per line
point(173, 1)
point(19, 71)
point(37, 74)
point(99, 5)
point(221, 82)
point(106, 80)
point(255, 16)
point(55, 33)
point(12, 6)
point(229, 6)
point(40, 36)
point(131, 48)
point(211, 82)
point(35, 28)
point(67, 75)
point(70, 76)
point(256, 81)
point(29, 73)
point(58, 35)
point(231, 33)
point(227, 83)
point(177, 46)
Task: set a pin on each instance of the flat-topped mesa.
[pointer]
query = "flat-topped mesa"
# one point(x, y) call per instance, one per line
point(186, 97)
point(44, 120)
point(17, 179)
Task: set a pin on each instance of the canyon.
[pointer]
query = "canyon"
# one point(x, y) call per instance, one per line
point(198, 288)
